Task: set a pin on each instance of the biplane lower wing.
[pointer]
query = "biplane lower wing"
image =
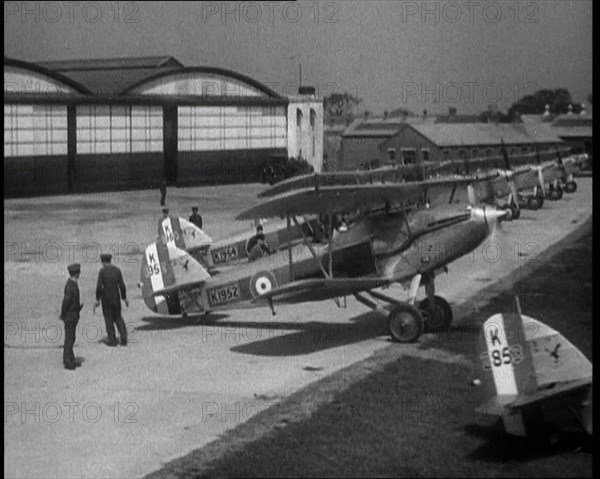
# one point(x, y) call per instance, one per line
point(319, 289)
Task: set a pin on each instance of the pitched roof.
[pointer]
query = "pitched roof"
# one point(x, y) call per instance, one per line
point(111, 63)
point(573, 126)
point(480, 134)
point(111, 76)
point(382, 127)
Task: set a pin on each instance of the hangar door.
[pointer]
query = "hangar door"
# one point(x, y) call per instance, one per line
point(170, 143)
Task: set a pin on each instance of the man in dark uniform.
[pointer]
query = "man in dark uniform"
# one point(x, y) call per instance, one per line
point(256, 246)
point(196, 218)
point(69, 314)
point(110, 289)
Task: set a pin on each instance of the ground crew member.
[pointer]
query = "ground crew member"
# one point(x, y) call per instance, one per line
point(69, 314)
point(257, 247)
point(196, 218)
point(110, 289)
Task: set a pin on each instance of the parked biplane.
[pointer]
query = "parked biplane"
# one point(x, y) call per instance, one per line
point(391, 236)
point(533, 378)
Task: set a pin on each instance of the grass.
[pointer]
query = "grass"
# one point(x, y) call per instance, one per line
point(415, 417)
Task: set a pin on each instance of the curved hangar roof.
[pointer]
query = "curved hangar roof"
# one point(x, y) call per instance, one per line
point(118, 77)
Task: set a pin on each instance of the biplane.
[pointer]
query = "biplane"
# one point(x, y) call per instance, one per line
point(389, 236)
point(535, 380)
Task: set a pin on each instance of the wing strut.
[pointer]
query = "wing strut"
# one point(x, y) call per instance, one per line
point(291, 270)
point(310, 248)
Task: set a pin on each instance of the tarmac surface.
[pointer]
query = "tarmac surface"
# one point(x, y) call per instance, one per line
point(180, 384)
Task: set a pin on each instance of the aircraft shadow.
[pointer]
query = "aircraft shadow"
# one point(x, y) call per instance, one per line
point(158, 323)
point(501, 447)
point(309, 337)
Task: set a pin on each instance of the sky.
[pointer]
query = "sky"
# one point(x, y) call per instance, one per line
point(420, 55)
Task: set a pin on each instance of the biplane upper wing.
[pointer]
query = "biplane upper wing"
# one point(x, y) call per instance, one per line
point(347, 198)
point(320, 289)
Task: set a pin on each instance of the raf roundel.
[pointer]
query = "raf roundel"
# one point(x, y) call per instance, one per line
point(262, 283)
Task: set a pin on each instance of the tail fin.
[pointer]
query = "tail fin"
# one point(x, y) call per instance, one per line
point(165, 266)
point(182, 234)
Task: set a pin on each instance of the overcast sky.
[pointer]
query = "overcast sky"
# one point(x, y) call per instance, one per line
point(420, 55)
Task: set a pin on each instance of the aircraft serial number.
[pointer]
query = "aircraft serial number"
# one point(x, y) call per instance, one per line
point(507, 355)
point(224, 294)
point(222, 255)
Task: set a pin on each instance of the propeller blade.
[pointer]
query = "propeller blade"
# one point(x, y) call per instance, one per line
point(513, 192)
point(471, 194)
point(541, 180)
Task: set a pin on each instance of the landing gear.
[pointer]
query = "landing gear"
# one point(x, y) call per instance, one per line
point(441, 317)
point(405, 323)
point(516, 212)
point(509, 212)
point(556, 193)
point(570, 187)
point(534, 203)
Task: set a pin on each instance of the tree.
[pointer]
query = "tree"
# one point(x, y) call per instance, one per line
point(339, 107)
point(558, 100)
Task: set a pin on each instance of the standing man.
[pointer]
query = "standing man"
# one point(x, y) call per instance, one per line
point(69, 314)
point(110, 289)
point(163, 192)
point(196, 218)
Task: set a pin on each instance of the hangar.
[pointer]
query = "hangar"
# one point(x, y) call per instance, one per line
point(105, 124)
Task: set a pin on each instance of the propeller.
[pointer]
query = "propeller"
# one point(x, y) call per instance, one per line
point(490, 215)
point(471, 194)
point(541, 180)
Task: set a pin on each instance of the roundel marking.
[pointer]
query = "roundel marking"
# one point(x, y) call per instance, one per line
point(262, 283)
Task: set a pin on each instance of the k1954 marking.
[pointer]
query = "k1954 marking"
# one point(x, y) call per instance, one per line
point(224, 254)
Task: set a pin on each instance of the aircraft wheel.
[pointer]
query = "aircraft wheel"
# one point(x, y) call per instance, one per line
point(442, 317)
point(534, 203)
point(405, 323)
point(559, 193)
point(509, 213)
point(516, 212)
point(571, 187)
point(541, 198)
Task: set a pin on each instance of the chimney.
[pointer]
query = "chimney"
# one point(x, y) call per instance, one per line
point(547, 112)
point(306, 90)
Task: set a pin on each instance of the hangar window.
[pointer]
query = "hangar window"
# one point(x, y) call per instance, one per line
point(488, 152)
point(474, 153)
point(392, 154)
point(425, 154)
point(35, 130)
point(210, 128)
point(446, 154)
point(462, 154)
point(119, 129)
